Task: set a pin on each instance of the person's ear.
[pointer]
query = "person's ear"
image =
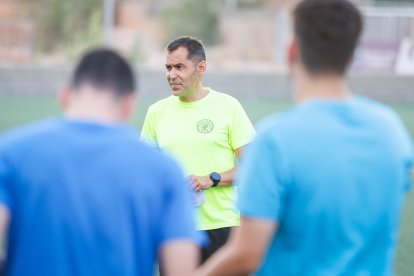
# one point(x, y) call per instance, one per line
point(64, 97)
point(201, 67)
point(128, 106)
point(292, 52)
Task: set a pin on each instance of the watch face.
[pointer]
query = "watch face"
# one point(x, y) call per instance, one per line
point(215, 177)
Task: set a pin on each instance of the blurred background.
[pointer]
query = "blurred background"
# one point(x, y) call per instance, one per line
point(41, 40)
point(239, 33)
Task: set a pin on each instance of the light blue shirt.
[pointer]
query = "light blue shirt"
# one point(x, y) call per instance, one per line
point(332, 175)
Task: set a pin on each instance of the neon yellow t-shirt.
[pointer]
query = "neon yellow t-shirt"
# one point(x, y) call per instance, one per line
point(203, 136)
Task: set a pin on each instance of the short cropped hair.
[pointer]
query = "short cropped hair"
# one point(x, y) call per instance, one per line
point(105, 69)
point(193, 45)
point(327, 32)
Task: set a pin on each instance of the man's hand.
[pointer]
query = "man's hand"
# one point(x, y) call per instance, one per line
point(200, 183)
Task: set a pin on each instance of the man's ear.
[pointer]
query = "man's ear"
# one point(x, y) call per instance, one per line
point(292, 52)
point(64, 97)
point(128, 106)
point(201, 67)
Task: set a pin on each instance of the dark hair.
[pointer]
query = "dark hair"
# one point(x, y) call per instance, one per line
point(327, 32)
point(193, 45)
point(105, 69)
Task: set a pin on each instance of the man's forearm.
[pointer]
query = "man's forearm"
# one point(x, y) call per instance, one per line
point(179, 257)
point(244, 251)
point(227, 177)
point(225, 262)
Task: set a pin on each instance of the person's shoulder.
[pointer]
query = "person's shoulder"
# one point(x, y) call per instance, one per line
point(155, 157)
point(162, 104)
point(374, 106)
point(378, 111)
point(29, 132)
point(141, 150)
point(279, 121)
point(383, 115)
point(138, 151)
point(225, 100)
point(223, 96)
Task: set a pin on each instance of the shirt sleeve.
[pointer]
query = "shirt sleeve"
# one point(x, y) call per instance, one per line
point(407, 147)
point(241, 130)
point(148, 133)
point(5, 182)
point(177, 220)
point(409, 166)
point(262, 182)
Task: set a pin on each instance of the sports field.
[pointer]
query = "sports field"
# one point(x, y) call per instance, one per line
point(15, 111)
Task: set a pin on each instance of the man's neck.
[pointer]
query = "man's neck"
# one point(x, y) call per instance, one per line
point(329, 87)
point(82, 115)
point(197, 94)
point(96, 109)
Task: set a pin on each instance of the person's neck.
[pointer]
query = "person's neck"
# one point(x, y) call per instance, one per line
point(195, 94)
point(327, 86)
point(95, 110)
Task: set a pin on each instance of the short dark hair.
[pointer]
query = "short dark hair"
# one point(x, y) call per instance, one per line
point(105, 69)
point(193, 45)
point(327, 32)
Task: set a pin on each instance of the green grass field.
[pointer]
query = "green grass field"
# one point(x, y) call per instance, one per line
point(15, 111)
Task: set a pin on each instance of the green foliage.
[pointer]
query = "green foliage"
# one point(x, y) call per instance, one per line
point(90, 37)
point(194, 18)
point(250, 4)
point(64, 24)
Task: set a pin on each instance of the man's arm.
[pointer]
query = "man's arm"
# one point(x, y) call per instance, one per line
point(148, 133)
point(241, 132)
point(244, 251)
point(179, 257)
point(204, 182)
point(4, 225)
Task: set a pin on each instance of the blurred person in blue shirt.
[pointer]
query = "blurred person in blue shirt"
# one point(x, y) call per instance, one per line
point(81, 195)
point(322, 185)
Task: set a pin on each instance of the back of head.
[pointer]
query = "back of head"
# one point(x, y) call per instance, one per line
point(327, 32)
point(106, 70)
point(193, 45)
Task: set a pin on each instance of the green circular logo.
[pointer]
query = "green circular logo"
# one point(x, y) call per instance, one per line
point(205, 126)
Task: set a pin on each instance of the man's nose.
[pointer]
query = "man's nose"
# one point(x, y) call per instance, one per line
point(172, 74)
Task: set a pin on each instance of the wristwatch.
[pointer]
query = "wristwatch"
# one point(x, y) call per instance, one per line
point(216, 178)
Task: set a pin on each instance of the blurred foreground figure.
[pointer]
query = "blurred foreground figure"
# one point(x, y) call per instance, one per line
point(322, 186)
point(81, 195)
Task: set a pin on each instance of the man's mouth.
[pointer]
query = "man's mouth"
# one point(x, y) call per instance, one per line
point(174, 85)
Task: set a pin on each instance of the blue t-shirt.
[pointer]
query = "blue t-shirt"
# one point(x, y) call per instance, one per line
point(89, 199)
point(332, 175)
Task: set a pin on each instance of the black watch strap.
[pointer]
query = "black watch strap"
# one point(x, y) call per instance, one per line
point(216, 178)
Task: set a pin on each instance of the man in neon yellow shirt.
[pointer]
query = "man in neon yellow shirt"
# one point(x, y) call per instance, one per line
point(205, 131)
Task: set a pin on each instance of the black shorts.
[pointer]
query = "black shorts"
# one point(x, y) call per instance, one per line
point(217, 238)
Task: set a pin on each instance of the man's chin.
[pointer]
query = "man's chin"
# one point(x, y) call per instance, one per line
point(177, 92)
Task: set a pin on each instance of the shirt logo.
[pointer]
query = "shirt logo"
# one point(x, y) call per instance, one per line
point(205, 126)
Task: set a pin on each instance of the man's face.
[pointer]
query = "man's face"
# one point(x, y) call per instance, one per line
point(183, 75)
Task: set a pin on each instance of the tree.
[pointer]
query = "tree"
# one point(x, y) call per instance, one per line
point(65, 24)
point(194, 18)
